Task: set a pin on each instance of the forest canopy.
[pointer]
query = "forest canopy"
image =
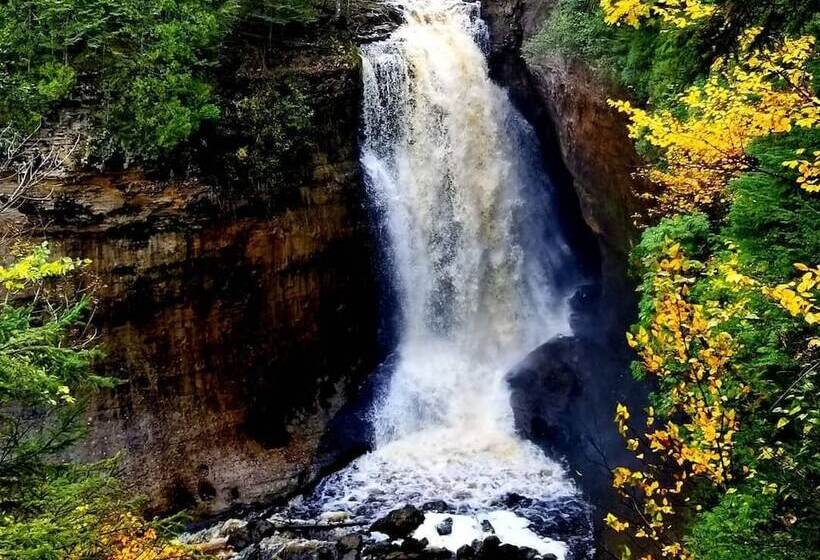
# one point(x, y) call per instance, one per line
point(142, 71)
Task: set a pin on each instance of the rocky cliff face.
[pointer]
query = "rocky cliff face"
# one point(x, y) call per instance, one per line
point(567, 104)
point(238, 305)
point(564, 392)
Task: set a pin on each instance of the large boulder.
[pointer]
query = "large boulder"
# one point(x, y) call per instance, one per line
point(563, 396)
point(544, 386)
point(400, 522)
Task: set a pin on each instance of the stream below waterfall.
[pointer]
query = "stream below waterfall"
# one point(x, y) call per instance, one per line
point(482, 276)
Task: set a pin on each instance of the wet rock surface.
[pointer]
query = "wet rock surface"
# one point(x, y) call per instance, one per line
point(261, 538)
point(400, 522)
point(445, 527)
point(562, 396)
point(565, 391)
point(438, 506)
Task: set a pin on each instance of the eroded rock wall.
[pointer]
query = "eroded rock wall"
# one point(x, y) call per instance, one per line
point(564, 393)
point(239, 317)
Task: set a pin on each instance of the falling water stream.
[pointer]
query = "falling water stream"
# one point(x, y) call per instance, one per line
point(482, 276)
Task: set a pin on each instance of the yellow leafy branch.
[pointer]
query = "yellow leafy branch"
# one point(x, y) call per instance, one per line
point(686, 345)
point(678, 13)
point(765, 91)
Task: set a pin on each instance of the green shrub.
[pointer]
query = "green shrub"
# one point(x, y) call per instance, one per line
point(692, 231)
point(737, 529)
point(144, 67)
point(143, 64)
point(653, 64)
point(282, 12)
point(775, 223)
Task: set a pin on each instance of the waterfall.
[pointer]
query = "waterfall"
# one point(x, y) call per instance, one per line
point(474, 259)
point(480, 268)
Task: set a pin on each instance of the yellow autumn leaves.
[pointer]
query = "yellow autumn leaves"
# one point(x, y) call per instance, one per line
point(704, 143)
point(680, 13)
point(700, 146)
point(800, 297)
point(685, 345)
point(34, 266)
point(129, 537)
point(808, 169)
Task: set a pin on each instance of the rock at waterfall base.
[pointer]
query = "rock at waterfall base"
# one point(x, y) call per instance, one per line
point(400, 522)
point(445, 527)
point(437, 506)
point(491, 548)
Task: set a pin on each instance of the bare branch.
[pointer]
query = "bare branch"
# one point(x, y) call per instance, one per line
point(24, 164)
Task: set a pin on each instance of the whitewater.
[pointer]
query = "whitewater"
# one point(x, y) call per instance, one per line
point(482, 276)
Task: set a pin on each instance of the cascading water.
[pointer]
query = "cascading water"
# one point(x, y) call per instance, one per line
point(481, 273)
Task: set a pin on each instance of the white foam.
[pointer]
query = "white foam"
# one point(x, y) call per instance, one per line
point(471, 471)
point(509, 528)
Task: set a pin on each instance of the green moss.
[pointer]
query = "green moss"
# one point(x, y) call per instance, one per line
point(653, 64)
point(736, 529)
point(144, 67)
point(774, 222)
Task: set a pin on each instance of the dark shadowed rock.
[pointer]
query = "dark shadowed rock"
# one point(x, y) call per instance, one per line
point(491, 548)
point(304, 549)
point(465, 552)
point(437, 553)
point(544, 386)
point(562, 395)
point(250, 553)
point(325, 553)
point(260, 528)
point(445, 526)
point(488, 548)
point(411, 549)
point(409, 544)
point(379, 549)
point(513, 500)
point(400, 522)
point(349, 547)
point(512, 552)
point(487, 527)
point(437, 506)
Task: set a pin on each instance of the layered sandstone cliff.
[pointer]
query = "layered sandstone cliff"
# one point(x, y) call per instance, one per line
point(238, 314)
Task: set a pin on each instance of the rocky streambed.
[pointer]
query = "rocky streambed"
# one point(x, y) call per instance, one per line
point(433, 531)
